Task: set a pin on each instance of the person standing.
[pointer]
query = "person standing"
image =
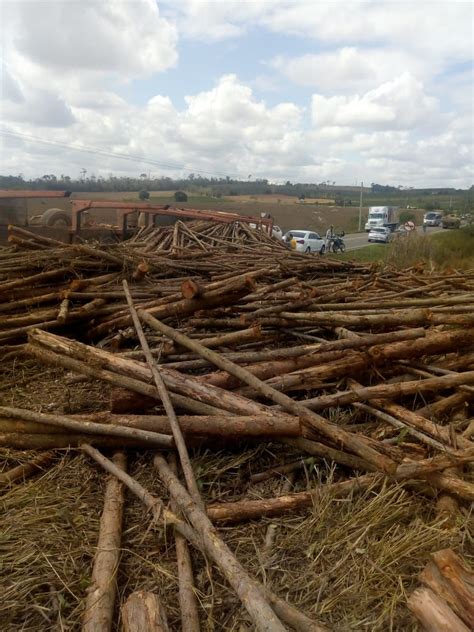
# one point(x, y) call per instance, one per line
point(329, 238)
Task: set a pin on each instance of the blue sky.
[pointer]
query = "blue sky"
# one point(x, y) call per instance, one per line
point(283, 89)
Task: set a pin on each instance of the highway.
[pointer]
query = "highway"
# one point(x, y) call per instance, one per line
point(354, 241)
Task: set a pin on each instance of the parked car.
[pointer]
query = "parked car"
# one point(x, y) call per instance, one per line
point(277, 232)
point(380, 234)
point(305, 241)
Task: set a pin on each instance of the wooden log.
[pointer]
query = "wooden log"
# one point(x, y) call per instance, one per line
point(195, 390)
point(240, 511)
point(247, 589)
point(433, 612)
point(191, 289)
point(35, 279)
point(450, 579)
point(123, 400)
point(99, 607)
point(20, 472)
point(412, 318)
point(144, 612)
point(187, 596)
point(64, 310)
point(88, 360)
point(391, 391)
point(26, 441)
point(351, 442)
point(166, 400)
point(89, 427)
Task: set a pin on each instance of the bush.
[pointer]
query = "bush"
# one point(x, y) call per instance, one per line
point(144, 195)
point(180, 196)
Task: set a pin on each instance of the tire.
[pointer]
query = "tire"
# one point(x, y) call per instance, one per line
point(56, 217)
point(308, 249)
point(323, 250)
point(342, 248)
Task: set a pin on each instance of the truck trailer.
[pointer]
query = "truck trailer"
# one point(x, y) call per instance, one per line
point(382, 216)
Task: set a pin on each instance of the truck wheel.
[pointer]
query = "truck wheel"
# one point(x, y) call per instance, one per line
point(308, 250)
point(56, 217)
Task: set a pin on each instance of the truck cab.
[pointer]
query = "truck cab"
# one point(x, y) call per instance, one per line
point(380, 216)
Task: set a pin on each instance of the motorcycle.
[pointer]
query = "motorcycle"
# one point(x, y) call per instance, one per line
point(338, 244)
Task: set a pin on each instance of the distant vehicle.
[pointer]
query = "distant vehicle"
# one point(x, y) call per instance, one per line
point(450, 221)
point(382, 216)
point(305, 241)
point(432, 218)
point(380, 234)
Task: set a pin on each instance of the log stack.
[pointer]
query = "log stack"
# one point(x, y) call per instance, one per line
point(248, 342)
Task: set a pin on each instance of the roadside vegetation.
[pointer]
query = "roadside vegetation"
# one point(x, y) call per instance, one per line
point(447, 249)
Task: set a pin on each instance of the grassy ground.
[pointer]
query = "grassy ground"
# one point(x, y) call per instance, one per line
point(447, 249)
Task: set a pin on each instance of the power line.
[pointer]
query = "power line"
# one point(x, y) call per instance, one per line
point(111, 154)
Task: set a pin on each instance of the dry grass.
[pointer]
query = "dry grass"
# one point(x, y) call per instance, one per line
point(350, 563)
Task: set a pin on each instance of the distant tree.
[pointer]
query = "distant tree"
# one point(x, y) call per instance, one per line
point(144, 195)
point(429, 206)
point(180, 196)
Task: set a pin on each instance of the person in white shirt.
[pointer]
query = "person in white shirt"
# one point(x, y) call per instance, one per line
point(329, 238)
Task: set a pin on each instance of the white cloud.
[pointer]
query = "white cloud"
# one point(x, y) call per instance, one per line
point(349, 68)
point(398, 104)
point(128, 38)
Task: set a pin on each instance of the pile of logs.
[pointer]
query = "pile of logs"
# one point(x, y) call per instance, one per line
point(214, 335)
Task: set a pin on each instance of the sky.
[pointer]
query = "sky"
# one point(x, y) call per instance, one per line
point(297, 90)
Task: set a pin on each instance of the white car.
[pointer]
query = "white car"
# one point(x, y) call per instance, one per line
point(380, 234)
point(305, 241)
point(277, 232)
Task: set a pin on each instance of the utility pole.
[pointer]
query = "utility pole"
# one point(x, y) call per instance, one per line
point(360, 206)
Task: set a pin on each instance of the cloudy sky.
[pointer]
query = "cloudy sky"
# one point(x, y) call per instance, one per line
point(297, 90)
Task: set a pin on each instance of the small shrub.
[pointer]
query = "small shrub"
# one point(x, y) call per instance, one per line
point(144, 195)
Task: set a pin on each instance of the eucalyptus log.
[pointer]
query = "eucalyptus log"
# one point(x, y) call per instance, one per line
point(353, 443)
point(20, 472)
point(448, 576)
point(144, 612)
point(187, 596)
point(433, 613)
point(166, 400)
point(99, 607)
point(89, 427)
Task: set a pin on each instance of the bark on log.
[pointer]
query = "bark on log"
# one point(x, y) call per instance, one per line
point(89, 427)
point(433, 612)
point(240, 511)
point(450, 579)
point(99, 608)
point(20, 472)
point(187, 596)
point(168, 406)
point(248, 590)
point(144, 612)
point(351, 442)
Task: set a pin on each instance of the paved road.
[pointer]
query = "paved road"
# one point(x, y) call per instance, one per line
point(354, 241)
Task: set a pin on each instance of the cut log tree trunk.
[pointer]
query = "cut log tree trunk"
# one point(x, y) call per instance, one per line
point(144, 612)
point(100, 600)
